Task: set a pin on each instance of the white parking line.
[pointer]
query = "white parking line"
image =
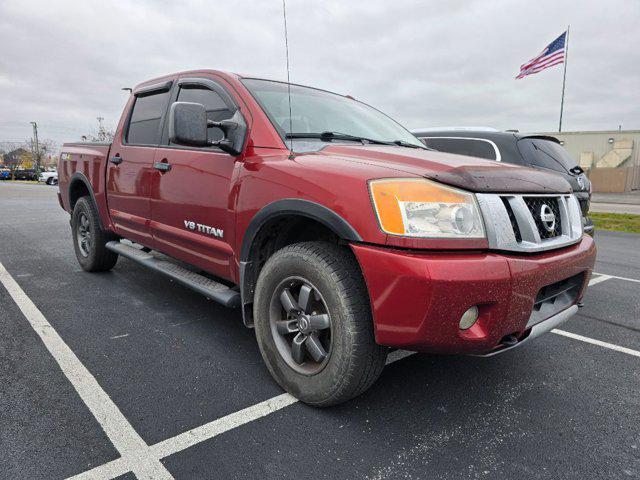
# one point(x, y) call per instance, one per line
point(594, 281)
point(209, 430)
point(124, 438)
point(600, 343)
point(601, 278)
point(620, 278)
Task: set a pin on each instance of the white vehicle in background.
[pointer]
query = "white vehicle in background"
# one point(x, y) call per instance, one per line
point(50, 178)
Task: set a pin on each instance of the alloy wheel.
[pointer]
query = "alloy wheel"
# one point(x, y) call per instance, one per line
point(84, 234)
point(301, 325)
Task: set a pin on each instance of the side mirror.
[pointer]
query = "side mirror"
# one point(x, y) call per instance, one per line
point(188, 125)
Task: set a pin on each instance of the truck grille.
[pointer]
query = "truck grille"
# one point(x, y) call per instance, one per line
point(536, 205)
point(512, 219)
point(530, 223)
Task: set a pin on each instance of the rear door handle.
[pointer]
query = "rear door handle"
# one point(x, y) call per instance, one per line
point(162, 166)
point(117, 160)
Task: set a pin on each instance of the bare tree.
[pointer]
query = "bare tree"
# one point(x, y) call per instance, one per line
point(15, 155)
point(105, 136)
point(101, 134)
point(48, 152)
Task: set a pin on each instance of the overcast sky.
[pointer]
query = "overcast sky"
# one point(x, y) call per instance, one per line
point(426, 63)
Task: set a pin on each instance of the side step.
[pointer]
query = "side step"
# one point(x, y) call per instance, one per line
point(201, 284)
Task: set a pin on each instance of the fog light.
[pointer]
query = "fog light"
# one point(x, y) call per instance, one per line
point(469, 318)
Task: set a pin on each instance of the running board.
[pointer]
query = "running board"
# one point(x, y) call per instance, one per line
point(201, 284)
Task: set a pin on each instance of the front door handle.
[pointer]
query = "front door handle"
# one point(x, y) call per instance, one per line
point(162, 166)
point(116, 160)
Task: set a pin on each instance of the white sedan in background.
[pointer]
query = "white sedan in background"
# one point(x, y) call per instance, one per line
point(50, 178)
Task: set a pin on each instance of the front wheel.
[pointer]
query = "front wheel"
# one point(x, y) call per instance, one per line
point(89, 239)
point(313, 324)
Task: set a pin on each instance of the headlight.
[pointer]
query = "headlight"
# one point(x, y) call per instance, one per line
point(422, 208)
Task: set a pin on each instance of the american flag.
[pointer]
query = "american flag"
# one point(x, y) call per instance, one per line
point(553, 54)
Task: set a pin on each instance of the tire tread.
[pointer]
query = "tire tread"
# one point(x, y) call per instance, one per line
point(367, 359)
point(102, 259)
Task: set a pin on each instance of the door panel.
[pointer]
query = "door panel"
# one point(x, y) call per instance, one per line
point(191, 217)
point(130, 169)
point(128, 191)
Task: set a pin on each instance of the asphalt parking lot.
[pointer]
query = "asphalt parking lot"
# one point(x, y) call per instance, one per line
point(127, 374)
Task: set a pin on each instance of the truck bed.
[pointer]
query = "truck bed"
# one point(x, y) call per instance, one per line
point(87, 162)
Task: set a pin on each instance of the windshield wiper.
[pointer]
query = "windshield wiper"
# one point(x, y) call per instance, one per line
point(402, 143)
point(328, 136)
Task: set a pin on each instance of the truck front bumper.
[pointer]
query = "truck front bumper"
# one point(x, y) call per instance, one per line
point(418, 298)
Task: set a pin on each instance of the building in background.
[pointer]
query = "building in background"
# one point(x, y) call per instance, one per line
point(611, 158)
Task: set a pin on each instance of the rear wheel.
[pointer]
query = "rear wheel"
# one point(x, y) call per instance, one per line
point(313, 324)
point(89, 239)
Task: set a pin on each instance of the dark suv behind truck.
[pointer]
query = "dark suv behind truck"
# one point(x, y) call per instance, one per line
point(535, 151)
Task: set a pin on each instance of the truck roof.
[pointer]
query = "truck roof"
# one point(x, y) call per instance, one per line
point(230, 74)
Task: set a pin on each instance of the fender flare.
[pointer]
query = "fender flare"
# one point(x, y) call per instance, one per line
point(296, 206)
point(287, 206)
point(81, 177)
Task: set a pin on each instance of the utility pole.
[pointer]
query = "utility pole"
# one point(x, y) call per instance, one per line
point(36, 148)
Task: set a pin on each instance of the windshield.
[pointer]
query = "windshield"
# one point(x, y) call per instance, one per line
point(316, 112)
point(546, 154)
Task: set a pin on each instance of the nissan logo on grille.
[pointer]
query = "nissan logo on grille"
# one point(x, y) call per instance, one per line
point(547, 217)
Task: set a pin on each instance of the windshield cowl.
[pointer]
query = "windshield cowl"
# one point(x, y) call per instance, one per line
point(328, 136)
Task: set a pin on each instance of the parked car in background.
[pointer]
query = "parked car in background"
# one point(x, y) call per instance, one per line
point(5, 174)
point(530, 150)
point(25, 174)
point(50, 178)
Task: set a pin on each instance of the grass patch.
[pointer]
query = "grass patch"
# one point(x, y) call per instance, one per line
point(28, 182)
point(622, 222)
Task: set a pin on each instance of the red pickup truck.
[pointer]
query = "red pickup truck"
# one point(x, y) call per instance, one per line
point(333, 229)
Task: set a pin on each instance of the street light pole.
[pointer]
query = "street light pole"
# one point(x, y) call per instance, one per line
point(36, 147)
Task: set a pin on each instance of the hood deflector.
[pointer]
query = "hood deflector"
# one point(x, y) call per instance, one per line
point(509, 180)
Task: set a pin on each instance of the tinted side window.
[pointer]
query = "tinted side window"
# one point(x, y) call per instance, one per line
point(462, 146)
point(546, 154)
point(144, 126)
point(214, 105)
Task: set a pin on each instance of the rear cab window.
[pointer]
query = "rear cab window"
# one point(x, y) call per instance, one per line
point(145, 124)
point(473, 147)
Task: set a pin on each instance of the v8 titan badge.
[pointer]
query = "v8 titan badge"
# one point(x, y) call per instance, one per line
point(199, 227)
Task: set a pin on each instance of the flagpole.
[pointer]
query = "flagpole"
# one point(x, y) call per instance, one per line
point(564, 77)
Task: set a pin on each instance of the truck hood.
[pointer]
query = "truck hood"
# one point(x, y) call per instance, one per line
point(469, 173)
